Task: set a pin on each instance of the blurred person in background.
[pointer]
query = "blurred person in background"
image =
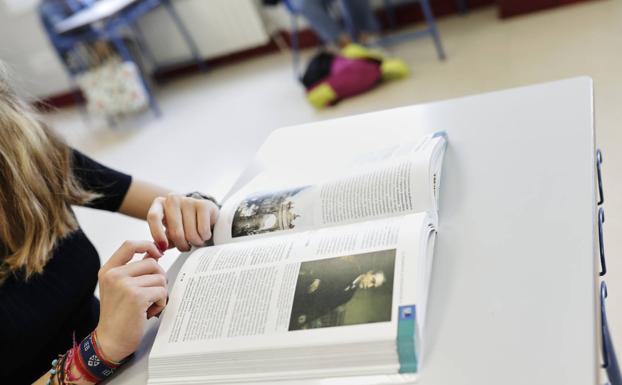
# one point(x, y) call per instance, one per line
point(324, 24)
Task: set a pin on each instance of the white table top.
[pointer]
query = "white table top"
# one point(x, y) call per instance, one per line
point(100, 10)
point(513, 293)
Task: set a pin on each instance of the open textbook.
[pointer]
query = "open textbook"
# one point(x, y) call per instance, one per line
point(321, 275)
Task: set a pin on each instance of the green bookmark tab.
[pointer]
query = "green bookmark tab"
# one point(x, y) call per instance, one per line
point(406, 339)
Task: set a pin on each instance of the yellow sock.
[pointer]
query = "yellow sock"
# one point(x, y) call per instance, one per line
point(357, 51)
point(321, 95)
point(393, 69)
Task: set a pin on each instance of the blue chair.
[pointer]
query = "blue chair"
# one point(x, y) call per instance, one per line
point(293, 34)
point(128, 17)
point(52, 12)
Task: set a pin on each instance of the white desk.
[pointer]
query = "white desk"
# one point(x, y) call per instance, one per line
point(513, 296)
point(100, 10)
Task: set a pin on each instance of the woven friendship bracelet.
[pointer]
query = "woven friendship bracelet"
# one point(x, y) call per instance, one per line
point(93, 362)
point(108, 362)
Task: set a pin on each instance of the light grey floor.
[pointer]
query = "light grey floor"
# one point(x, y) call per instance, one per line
point(213, 123)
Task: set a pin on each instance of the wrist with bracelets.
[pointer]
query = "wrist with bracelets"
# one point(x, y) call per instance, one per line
point(200, 195)
point(87, 359)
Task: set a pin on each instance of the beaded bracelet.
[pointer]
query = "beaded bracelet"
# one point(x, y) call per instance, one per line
point(57, 371)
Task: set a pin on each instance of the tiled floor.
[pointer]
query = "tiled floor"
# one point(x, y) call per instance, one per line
point(213, 123)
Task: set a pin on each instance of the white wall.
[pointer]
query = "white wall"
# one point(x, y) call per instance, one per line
point(25, 48)
point(219, 27)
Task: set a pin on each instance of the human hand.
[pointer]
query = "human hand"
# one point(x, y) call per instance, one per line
point(130, 293)
point(181, 221)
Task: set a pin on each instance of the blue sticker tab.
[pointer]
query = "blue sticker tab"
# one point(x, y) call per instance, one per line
point(440, 133)
point(406, 339)
point(407, 312)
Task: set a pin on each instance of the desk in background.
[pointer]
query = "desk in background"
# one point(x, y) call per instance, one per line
point(108, 20)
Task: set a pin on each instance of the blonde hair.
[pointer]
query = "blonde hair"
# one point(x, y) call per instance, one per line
point(37, 187)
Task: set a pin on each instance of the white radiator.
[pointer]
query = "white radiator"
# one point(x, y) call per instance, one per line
point(219, 27)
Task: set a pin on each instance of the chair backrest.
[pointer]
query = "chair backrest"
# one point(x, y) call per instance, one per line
point(52, 12)
point(290, 7)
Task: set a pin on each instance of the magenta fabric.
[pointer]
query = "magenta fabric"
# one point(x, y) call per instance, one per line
point(350, 77)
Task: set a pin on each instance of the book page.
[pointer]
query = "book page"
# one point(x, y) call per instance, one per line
point(394, 181)
point(297, 290)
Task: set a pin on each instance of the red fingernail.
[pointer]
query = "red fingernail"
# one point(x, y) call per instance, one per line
point(162, 246)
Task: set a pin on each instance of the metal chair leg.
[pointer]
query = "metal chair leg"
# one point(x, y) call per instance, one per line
point(127, 56)
point(295, 46)
point(185, 34)
point(142, 44)
point(348, 21)
point(429, 18)
point(72, 73)
point(388, 6)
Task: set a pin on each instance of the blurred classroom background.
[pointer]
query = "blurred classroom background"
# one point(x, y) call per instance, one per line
point(212, 78)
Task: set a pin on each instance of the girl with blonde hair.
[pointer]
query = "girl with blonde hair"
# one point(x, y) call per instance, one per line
point(52, 328)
